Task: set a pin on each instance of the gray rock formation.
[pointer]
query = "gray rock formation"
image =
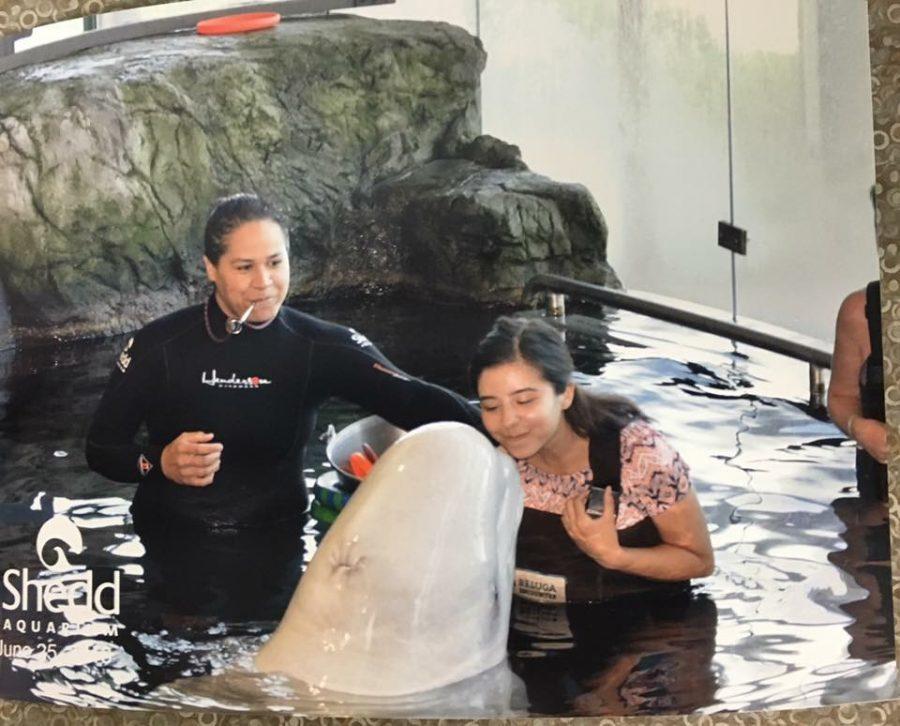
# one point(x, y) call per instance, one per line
point(6, 337)
point(456, 230)
point(109, 161)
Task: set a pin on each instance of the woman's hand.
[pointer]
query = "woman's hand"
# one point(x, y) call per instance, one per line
point(872, 435)
point(684, 552)
point(595, 536)
point(191, 459)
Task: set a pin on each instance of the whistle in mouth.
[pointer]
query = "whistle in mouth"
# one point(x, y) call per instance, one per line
point(234, 325)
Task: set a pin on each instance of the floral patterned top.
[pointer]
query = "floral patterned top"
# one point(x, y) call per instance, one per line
point(654, 477)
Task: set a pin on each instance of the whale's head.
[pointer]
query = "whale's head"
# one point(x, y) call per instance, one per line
point(410, 589)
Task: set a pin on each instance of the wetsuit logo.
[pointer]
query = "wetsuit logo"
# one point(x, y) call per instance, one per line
point(361, 340)
point(124, 359)
point(144, 465)
point(212, 379)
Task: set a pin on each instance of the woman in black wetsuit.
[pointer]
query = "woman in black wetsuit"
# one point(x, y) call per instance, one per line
point(856, 388)
point(229, 413)
point(229, 408)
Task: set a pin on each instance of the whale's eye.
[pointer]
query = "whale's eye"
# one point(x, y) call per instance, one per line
point(494, 600)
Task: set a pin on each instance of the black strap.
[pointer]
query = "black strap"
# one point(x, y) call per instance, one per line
point(605, 459)
point(873, 317)
point(871, 476)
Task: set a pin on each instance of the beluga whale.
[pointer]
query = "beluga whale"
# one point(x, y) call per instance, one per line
point(410, 589)
point(404, 609)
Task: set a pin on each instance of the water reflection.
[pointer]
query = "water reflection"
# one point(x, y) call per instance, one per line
point(230, 575)
point(636, 655)
point(867, 559)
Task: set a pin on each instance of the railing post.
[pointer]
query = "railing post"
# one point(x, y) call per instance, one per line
point(556, 305)
point(811, 351)
point(816, 386)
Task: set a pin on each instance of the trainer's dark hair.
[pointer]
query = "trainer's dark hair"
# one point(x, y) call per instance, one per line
point(228, 214)
point(535, 342)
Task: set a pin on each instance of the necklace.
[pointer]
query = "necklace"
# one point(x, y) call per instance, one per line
point(209, 327)
point(260, 326)
point(233, 326)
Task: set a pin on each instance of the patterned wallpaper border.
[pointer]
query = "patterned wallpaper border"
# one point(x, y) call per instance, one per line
point(20, 714)
point(20, 16)
point(884, 40)
point(884, 44)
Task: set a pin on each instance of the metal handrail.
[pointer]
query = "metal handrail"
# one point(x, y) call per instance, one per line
point(759, 335)
point(160, 26)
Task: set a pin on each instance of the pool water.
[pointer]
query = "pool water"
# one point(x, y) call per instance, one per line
point(796, 614)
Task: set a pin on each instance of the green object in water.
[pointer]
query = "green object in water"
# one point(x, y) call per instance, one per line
point(321, 513)
point(330, 498)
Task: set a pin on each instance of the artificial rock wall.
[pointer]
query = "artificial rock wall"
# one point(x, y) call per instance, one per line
point(365, 133)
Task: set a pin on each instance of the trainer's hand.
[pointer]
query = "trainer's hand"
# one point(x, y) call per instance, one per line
point(191, 459)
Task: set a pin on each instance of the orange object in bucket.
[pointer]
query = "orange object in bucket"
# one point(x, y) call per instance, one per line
point(243, 23)
point(360, 466)
point(370, 453)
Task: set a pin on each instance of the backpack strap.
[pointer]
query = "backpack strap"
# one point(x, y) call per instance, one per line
point(873, 317)
point(604, 454)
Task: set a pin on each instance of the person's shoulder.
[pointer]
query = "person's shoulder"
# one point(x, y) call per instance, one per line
point(640, 440)
point(851, 328)
point(322, 332)
point(146, 345)
point(640, 430)
point(301, 323)
point(171, 326)
point(853, 307)
point(649, 460)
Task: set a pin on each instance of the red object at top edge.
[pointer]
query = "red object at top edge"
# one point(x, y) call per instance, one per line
point(243, 23)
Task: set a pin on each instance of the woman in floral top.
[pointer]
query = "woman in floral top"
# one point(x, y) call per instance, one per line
point(558, 433)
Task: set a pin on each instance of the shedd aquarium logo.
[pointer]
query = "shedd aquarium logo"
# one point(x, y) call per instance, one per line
point(62, 589)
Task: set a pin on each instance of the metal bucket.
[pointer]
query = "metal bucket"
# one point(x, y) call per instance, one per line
point(372, 430)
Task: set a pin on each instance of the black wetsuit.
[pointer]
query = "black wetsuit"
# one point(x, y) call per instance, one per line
point(871, 476)
point(259, 393)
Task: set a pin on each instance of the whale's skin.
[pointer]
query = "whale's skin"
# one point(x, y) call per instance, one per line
point(410, 588)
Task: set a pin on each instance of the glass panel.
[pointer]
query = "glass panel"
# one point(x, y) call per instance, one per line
point(627, 98)
point(458, 12)
point(803, 158)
